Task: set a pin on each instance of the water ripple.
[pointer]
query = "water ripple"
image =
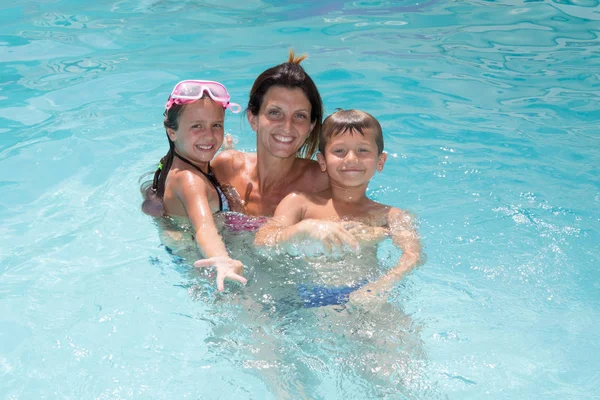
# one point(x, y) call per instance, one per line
point(490, 117)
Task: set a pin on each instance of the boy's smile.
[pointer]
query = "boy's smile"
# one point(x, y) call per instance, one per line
point(351, 159)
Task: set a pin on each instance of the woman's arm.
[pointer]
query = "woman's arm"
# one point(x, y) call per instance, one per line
point(228, 167)
point(225, 164)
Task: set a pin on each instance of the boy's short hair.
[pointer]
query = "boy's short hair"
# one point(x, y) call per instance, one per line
point(350, 120)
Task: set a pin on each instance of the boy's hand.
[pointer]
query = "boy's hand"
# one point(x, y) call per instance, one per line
point(372, 295)
point(365, 233)
point(226, 267)
point(332, 235)
point(365, 294)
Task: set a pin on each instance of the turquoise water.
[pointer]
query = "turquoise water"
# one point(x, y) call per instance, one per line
point(490, 113)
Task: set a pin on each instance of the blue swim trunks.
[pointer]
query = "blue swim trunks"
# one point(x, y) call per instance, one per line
point(317, 296)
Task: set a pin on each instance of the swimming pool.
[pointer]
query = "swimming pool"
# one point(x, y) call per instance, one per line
point(490, 113)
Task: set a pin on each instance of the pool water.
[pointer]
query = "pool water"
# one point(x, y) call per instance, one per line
point(490, 111)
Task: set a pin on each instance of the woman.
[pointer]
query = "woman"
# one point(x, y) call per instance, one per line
point(285, 110)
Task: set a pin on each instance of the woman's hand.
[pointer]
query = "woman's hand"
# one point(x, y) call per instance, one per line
point(226, 267)
point(228, 142)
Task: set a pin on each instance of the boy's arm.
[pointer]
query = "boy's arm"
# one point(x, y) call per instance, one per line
point(405, 236)
point(192, 191)
point(289, 211)
point(289, 224)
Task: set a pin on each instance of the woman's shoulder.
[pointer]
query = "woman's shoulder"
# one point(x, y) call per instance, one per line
point(233, 156)
point(318, 179)
point(229, 161)
point(227, 157)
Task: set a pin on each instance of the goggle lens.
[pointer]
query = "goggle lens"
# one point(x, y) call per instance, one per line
point(189, 91)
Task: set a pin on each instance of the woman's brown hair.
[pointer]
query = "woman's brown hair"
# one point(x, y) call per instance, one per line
point(291, 75)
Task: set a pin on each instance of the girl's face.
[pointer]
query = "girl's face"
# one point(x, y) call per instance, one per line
point(200, 131)
point(283, 121)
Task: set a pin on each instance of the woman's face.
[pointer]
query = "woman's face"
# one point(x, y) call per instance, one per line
point(200, 131)
point(283, 121)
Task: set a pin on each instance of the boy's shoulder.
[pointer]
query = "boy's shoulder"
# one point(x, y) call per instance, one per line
point(387, 215)
point(304, 200)
point(400, 218)
point(304, 197)
point(318, 197)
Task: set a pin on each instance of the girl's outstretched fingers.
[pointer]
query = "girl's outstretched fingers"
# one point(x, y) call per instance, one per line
point(226, 267)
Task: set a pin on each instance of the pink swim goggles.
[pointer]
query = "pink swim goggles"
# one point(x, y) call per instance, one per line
point(189, 91)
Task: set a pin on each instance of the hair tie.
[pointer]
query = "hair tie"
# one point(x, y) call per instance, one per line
point(293, 59)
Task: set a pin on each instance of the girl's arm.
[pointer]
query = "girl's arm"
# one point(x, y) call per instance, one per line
point(193, 192)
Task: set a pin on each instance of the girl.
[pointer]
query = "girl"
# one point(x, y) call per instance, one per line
point(184, 185)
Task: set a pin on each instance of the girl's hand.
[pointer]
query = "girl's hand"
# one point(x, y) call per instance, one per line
point(226, 267)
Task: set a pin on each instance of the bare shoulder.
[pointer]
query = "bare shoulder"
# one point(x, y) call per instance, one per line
point(184, 182)
point(400, 218)
point(228, 163)
point(182, 188)
point(318, 197)
point(291, 208)
point(319, 181)
point(227, 159)
point(295, 199)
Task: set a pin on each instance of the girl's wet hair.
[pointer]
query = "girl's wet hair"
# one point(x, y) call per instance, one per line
point(291, 75)
point(154, 190)
point(350, 121)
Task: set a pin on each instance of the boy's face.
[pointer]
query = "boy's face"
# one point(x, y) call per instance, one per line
point(351, 159)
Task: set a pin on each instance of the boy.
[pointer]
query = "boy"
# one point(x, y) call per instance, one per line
point(351, 150)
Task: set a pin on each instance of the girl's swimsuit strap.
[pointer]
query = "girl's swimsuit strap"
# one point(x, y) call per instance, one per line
point(211, 178)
